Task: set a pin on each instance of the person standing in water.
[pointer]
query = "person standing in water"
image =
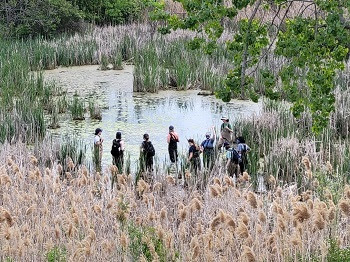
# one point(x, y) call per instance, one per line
point(207, 147)
point(172, 139)
point(226, 132)
point(194, 160)
point(242, 150)
point(98, 147)
point(148, 152)
point(117, 151)
point(232, 157)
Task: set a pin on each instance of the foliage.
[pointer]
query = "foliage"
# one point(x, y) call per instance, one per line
point(77, 108)
point(37, 17)
point(315, 42)
point(56, 254)
point(111, 11)
point(140, 239)
point(335, 253)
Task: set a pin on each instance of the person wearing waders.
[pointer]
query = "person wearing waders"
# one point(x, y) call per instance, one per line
point(207, 147)
point(117, 151)
point(148, 153)
point(226, 132)
point(242, 150)
point(98, 147)
point(172, 139)
point(232, 161)
point(194, 160)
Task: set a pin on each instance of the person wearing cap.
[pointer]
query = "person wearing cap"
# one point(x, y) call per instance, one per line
point(98, 148)
point(226, 132)
point(207, 147)
point(172, 139)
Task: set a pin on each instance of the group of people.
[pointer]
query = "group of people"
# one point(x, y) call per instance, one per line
point(236, 159)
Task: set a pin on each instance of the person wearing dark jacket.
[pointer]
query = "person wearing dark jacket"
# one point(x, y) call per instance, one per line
point(148, 152)
point(118, 151)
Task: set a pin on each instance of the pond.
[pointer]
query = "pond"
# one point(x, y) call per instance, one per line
point(136, 113)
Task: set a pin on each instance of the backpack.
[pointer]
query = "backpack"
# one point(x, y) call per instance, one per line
point(234, 155)
point(116, 148)
point(173, 138)
point(244, 154)
point(149, 149)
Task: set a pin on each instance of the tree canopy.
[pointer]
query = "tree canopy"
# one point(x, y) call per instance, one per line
point(312, 36)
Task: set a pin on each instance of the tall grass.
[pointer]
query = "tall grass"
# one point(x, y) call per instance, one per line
point(80, 217)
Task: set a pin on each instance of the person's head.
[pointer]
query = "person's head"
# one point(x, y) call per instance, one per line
point(227, 145)
point(207, 135)
point(146, 137)
point(241, 140)
point(171, 128)
point(98, 131)
point(191, 142)
point(118, 135)
point(225, 119)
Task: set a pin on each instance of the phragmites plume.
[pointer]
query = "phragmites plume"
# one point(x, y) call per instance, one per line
point(170, 180)
point(248, 254)
point(329, 167)
point(157, 187)
point(242, 230)
point(246, 177)
point(319, 221)
point(196, 204)
point(217, 181)
point(215, 223)
point(215, 190)
point(307, 164)
point(230, 222)
point(6, 216)
point(163, 213)
point(301, 212)
point(141, 186)
point(344, 205)
point(347, 191)
point(33, 160)
point(272, 181)
point(251, 197)
point(262, 217)
point(229, 181)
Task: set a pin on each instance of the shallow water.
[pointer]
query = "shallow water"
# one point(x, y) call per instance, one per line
point(135, 114)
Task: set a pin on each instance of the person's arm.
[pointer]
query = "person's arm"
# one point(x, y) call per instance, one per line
point(229, 128)
point(190, 156)
point(213, 134)
point(168, 138)
point(228, 163)
point(202, 146)
point(122, 147)
point(248, 148)
point(98, 141)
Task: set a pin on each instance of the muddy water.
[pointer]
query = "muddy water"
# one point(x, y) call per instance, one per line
point(135, 114)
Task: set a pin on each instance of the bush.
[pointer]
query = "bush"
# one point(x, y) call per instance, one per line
point(20, 18)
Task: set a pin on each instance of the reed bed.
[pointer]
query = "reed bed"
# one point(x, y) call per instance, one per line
point(81, 218)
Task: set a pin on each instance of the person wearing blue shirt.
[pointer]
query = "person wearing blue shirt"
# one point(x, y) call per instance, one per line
point(207, 147)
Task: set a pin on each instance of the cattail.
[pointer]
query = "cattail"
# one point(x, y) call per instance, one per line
point(170, 180)
point(344, 205)
point(262, 217)
point(248, 254)
point(252, 199)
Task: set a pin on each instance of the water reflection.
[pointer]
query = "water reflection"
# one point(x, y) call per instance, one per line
point(136, 114)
